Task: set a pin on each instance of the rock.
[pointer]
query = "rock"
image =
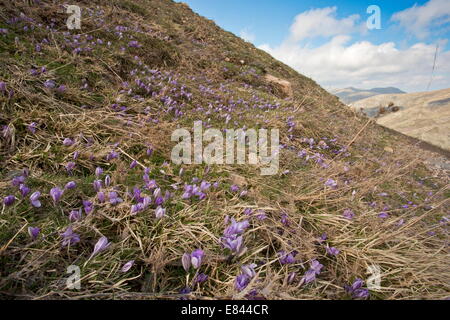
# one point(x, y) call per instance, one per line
point(282, 87)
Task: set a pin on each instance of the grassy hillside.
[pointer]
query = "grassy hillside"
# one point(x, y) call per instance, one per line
point(86, 118)
point(422, 115)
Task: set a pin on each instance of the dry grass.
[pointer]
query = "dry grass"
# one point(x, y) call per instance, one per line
point(413, 256)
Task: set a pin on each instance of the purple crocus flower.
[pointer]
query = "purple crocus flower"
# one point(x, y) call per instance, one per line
point(33, 232)
point(32, 127)
point(234, 188)
point(24, 190)
point(101, 196)
point(97, 185)
point(196, 258)
point(348, 214)
point(17, 181)
point(236, 227)
point(70, 166)
point(75, 215)
point(331, 183)
point(286, 258)
point(127, 266)
point(98, 172)
point(314, 270)
point(186, 261)
point(69, 237)
point(34, 198)
point(160, 212)
point(56, 194)
point(234, 243)
point(356, 289)
point(201, 277)
point(133, 164)
point(107, 180)
point(114, 198)
point(68, 142)
point(249, 270)
point(101, 245)
point(50, 84)
point(332, 251)
point(9, 200)
point(241, 282)
point(70, 185)
point(383, 215)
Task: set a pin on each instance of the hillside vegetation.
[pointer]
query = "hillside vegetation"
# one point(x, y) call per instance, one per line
point(86, 177)
point(422, 115)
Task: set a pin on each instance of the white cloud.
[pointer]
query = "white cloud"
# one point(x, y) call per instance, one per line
point(322, 23)
point(247, 35)
point(341, 62)
point(366, 65)
point(419, 20)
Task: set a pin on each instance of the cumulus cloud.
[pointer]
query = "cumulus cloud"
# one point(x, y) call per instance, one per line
point(322, 23)
point(341, 62)
point(420, 20)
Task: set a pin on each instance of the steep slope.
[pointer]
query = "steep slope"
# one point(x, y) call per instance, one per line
point(422, 115)
point(351, 95)
point(87, 117)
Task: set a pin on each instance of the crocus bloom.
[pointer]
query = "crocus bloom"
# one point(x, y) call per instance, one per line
point(286, 258)
point(314, 270)
point(56, 194)
point(200, 278)
point(160, 212)
point(101, 196)
point(107, 181)
point(32, 127)
point(98, 172)
point(68, 142)
point(24, 190)
point(234, 243)
point(114, 198)
point(69, 237)
point(234, 188)
point(186, 261)
point(33, 232)
point(348, 214)
point(133, 164)
point(332, 251)
point(127, 266)
point(70, 166)
point(75, 215)
point(249, 270)
point(70, 185)
point(49, 84)
point(34, 198)
point(196, 258)
point(241, 282)
point(97, 185)
point(9, 200)
point(101, 245)
point(236, 227)
point(356, 289)
point(331, 183)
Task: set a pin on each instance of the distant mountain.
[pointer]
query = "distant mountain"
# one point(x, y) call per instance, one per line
point(350, 95)
point(422, 115)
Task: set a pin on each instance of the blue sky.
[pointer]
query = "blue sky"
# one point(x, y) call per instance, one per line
point(329, 40)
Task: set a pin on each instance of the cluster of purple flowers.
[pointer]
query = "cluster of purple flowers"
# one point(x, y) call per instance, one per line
point(232, 238)
point(193, 259)
point(248, 273)
point(356, 290)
